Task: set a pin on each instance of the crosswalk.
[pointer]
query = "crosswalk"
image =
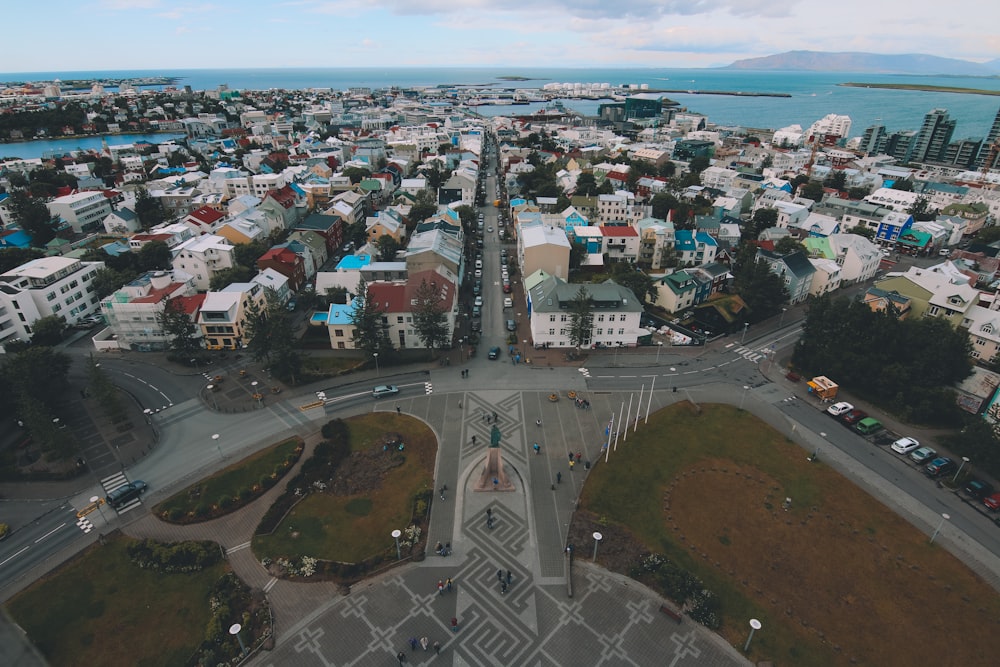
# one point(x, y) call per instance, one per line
point(754, 355)
point(115, 481)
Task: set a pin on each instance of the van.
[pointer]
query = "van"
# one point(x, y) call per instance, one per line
point(125, 493)
point(868, 425)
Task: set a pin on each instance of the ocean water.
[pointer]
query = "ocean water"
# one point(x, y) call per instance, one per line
point(813, 94)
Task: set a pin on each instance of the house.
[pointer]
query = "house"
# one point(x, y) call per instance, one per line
point(385, 223)
point(656, 243)
point(282, 208)
point(795, 270)
point(287, 263)
point(203, 220)
point(616, 310)
point(427, 251)
point(620, 243)
point(122, 222)
point(716, 275)
point(330, 227)
point(43, 287)
point(859, 258)
point(224, 315)
point(676, 292)
point(134, 313)
point(316, 245)
point(694, 248)
point(879, 300)
point(202, 257)
point(540, 247)
point(396, 301)
point(83, 211)
point(826, 277)
point(340, 324)
point(722, 313)
point(933, 292)
point(275, 283)
point(243, 229)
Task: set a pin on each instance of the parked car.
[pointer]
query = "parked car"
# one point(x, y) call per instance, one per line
point(511, 325)
point(868, 425)
point(923, 455)
point(840, 408)
point(476, 289)
point(992, 502)
point(126, 493)
point(479, 301)
point(978, 489)
point(479, 273)
point(477, 311)
point(477, 325)
point(494, 353)
point(853, 417)
point(508, 302)
point(385, 390)
point(939, 466)
point(506, 287)
point(905, 445)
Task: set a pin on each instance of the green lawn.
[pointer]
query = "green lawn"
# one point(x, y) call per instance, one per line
point(100, 609)
point(837, 569)
point(231, 488)
point(352, 528)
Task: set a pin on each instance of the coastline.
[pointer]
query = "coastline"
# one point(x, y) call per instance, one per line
point(921, 88)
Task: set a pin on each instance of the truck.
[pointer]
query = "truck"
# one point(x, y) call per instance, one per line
point(823, 387)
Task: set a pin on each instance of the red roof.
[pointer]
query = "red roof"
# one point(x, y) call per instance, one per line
point(284, 196)
point(205, 216)
point(156, 295)
point(619, 232)
point(617, 176)
point(189, 305)
point(389, 297)
point(283, 255)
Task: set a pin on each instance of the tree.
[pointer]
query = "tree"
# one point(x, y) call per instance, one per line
point(698, 164)
point(49, 330)
point(663, 203)
point(606, 188)
point(154, 256)
point(108, 281)
point(577, 253)
point(921, 210)
point(812, 190)
point(862, 230)
point(424, 206)
point(836, 179)
point(272, 338)
point(988, 235)
point(429, 316)
point(370, 329)
point(903, 185)
point(11, 258)
point(581, 318)
point(33, 217)
point(225, 277)
point(857, 193)
point(149, 209)
point(356, 174)
point(247, 254)
point(586, 184)
point(181, 329)
point(787, 245)
point(635, 280)
point(436, 176)
point(667, 169)
point(762, 218)
point(762, 290)
point(387, 246)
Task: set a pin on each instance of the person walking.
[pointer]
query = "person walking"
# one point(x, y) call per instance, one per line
point(473, 438)
point(437, 648)
point(503, 587)
point(509, 577)
point(440, 587)
point(536, 448)
point(558, 478)
point(401, 657)
point(454, 624)
point(397, 409)
point(500, 575)
point(413, 643)
point(448, 584)
point(579, 456)
point(571, 464)
point(424, 642)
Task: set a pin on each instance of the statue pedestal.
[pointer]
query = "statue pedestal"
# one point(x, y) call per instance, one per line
point(493, 478)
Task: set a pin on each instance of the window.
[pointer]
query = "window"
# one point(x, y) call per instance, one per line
point(51, 296)
point(552, 332)
point(621, 332)
point(600, 332)
point(563, 318)
point(56, 308)
point(600, 318)
point(552, 318)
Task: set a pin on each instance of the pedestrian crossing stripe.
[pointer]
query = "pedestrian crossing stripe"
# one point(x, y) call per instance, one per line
point(85, 525)
point(752, 355)
point(428, 387)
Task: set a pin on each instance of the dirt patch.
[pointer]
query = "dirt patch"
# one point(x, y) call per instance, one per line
point(363, 472)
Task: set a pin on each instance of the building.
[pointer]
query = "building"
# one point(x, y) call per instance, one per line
point(796, 272)
point(134, 312)
point(223, 316)
point(204, 256)
point(42, 287)
point(616, 310)
point(545, 248)
point(933, 138)
point(83, 211)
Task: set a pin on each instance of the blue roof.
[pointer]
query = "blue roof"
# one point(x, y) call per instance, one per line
point(341, 314)
point(15, 239)
point(354, 262)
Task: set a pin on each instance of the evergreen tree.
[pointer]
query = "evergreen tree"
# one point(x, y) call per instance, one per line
point(429, 316)
point(581, 318)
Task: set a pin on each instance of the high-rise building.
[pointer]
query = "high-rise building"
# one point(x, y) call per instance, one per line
point(962, 153)
point(873, 140)
point(900, 145)
point(933, 138)
point(992, 137)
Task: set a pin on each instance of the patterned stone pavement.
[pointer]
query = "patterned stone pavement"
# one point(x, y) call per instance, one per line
point(609, 620)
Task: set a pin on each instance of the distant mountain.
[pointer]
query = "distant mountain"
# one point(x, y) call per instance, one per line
point(906, 63)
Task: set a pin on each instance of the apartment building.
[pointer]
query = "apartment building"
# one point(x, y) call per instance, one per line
point(83, 211)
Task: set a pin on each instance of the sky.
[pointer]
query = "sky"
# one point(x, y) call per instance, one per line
point(81, 35)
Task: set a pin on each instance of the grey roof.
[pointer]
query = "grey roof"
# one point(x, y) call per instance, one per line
point(554, 294)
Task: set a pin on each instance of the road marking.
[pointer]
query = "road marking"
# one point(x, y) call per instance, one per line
point(60, 527)
point(428, 388)
point(689, 372)
point(238, 547)
point(267, 587)
point(85, 525)
point(13, 556)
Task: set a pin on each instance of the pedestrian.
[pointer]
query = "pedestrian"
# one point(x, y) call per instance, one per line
point(413, 643)
point(489, 523)
point(509, 577)
point(440, 587)
point(500, 575)
point(489, 512)
point(496, 482)
point(448, 584)
point(494, 416)
point(473, 438)
point(571, 464)
point(424, 642)
point(437, 648)
point(536, 448)
point(503, 588)
point(558, 478)
point(401, 657)
point(454, 624)
point(397, 409)
point(571, 457)
point(578, 457)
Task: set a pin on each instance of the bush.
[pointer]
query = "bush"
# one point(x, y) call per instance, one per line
point(173, 557)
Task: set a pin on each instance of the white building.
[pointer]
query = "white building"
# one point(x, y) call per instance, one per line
point(43, 287)
point(204, 256)
point(84, 211)
point(617, 312)
point(134, 312)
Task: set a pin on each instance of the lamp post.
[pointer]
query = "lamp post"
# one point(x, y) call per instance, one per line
point(743, 398)
point(659, 346)
point(218, 445)
point(97, 502)
point(746, 325)
point(256, 394)
point(965, 459)
point(395, 536)
point(944, 517)
point(234, 630)
point(754, 627)
point(597, 540)
point(377, 372)
point(781, 319)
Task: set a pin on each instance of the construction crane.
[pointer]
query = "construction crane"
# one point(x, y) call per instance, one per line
point(990, 159)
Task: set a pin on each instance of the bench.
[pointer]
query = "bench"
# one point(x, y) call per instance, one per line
point(671, 613)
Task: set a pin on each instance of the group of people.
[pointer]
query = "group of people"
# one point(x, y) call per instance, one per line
point(504, 581)
point(442, 549)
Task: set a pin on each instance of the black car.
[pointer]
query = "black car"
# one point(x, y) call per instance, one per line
point(494, 353)
point(940, 466)
point(125, 493)
point(477, 325)
point(978, 489)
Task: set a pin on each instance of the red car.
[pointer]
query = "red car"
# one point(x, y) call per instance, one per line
point(992, 501)
point(852, 417)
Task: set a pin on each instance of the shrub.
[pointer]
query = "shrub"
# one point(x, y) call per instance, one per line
point(173, 557)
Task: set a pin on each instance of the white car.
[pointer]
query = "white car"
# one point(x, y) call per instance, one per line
point(840, 408)
point(479, 301)
point(479, 273)
point(508, 302)
point(905, 445)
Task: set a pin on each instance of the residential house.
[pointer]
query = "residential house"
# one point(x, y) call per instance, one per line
point(826, 278)
point(983, 328)
point(879, 300)
point(246, 228)
point(656, 243)
point(83, 211)
point(617, 312)
point(385, 223)
point(340, 324)
point(203, 220)
point(283, 208)
point(223, 316)
point(43, 287)
point(541, 247)
point(330, 227)
point(427, 251)
point(933, 292)
point(716, 275)
point(795, 269)
point(620, 243)
point(350, 206)
point(134, 313)
point(694, 248)
point(287, 263)
point(677, 291)
point(397, 302)
point(172, 235)
point(316, 245)
point(202, 257)
point(274, 283)
point(122, 222)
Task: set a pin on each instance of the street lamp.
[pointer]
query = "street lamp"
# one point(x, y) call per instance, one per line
point(746, 325)
point(744, 397)
point(965, 459)
point(659, 346)
point(754, 627)
point(395, 535)
point(944, 517)
point(782, 318)
point(218, 445)
point(597, 540)
point(234, 629)
point(97, 502)
point(377, 372)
